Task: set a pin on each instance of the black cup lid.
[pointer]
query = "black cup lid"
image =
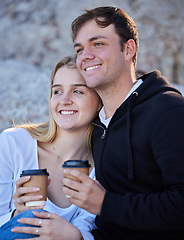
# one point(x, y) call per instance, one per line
point(34, 172)
point(76, 164)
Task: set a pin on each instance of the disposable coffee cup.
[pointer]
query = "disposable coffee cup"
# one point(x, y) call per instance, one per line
point(39, 178)
point(81, 165)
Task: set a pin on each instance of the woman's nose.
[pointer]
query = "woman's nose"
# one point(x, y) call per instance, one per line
point(66, 100)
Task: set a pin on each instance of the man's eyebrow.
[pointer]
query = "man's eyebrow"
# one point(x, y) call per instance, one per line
point(97, 37)
point(91, 40)
point(77, 45)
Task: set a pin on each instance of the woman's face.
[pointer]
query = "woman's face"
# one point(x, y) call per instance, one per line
point(73, 105)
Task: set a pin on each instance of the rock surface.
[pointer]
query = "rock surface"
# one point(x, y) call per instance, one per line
point(34, 35)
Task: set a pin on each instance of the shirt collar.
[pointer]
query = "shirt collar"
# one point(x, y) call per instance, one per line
point(102, 114)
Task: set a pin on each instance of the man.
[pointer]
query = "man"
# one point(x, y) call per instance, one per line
point(138, 138)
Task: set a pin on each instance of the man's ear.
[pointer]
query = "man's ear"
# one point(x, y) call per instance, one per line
point(129, 49)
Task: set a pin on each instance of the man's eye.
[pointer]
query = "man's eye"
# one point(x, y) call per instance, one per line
point(79, 51)
point(98, 44)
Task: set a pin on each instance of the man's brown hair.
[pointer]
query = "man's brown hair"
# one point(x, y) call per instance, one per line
point(104, 16)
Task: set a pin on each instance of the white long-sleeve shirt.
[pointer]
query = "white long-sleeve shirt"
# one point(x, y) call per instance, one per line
point(18, 151)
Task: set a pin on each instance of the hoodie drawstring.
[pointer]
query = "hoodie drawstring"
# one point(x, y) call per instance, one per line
point(129, 147)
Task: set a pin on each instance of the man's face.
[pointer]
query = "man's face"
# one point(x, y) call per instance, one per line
point(99, 55)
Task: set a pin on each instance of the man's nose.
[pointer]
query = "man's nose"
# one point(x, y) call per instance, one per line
point(87, 54)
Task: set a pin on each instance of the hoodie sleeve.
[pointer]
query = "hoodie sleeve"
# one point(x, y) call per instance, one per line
point(157, 211)
point(84, 220)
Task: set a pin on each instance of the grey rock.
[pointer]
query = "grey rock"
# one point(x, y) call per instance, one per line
point(34, 35)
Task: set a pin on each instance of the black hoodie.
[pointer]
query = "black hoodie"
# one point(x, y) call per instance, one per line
point(139, 160)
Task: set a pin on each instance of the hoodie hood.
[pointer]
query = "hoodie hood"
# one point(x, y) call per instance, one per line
point(153, 83)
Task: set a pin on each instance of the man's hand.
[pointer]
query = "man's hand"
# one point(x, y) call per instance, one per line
point(87, 194)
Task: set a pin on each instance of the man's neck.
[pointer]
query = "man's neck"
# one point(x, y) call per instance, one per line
point(114, 97)
point(104, 118)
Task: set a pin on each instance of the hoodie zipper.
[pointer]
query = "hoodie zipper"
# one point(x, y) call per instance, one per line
point(104, 130)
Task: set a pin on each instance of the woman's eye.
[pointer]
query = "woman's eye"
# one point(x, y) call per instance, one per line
point(78, 92)
point(56, 92)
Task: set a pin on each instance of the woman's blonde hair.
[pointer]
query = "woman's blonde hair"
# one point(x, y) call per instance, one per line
point(47, 131)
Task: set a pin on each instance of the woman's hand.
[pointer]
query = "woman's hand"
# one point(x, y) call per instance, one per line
point(48, 226)
point(20, 199)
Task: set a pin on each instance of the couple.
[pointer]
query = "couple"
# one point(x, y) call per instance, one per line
point(136, 145)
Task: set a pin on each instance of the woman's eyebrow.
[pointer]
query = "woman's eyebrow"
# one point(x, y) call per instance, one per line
point(56, 85)
point(80, 85)
point(75, 85)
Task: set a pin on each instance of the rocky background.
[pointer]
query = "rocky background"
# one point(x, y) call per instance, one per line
point(34, 35)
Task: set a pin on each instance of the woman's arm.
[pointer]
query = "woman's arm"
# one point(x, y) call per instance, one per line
point(16, 151)
point(6, 179)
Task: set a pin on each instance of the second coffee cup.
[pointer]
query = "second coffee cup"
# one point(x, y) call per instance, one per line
point(81, 165)
point(39, 178)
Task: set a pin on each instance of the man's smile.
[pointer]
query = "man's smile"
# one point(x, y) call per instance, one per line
point(92, 67)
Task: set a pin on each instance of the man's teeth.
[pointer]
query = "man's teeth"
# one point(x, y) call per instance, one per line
point(91, 68)
point(67, 112)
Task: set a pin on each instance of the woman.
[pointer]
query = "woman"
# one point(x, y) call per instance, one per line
point(66, 135)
